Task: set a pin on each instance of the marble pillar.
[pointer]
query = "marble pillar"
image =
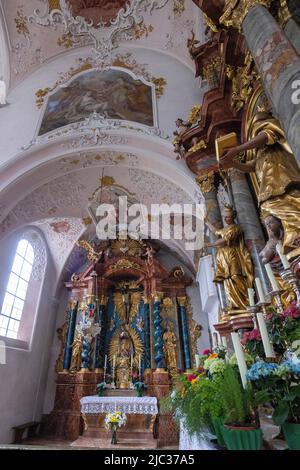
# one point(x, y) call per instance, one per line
point(292, 31)
point(100, 338)
point(158, 334)
point(72, 315)
point(248, 219)
point(214, 216)
point(185, 332)
point(278, 64)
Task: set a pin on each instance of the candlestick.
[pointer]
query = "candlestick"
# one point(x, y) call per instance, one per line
point(251, 294)
point(289, 277)
point(283, 258)
point(268, 346)
point(271, 277)
point(240, 357)
point(260, 291)
point(105, 366)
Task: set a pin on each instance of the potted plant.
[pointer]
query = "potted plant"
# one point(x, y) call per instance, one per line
point(281, 383)
point(241, 430)
point(101, 388)
point(140, 388)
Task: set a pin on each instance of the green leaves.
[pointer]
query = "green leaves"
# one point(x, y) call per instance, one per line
point(281, 413)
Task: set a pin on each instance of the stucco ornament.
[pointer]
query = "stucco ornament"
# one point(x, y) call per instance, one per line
point(105, 35)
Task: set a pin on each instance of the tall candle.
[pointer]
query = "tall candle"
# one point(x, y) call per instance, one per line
point(197, 360)
point(105, 366)
point(268, 346)
point(251, 294)
point(271, 277)
point(240, 357)
point(283, 258)
point(140, 367)
point(260, 291)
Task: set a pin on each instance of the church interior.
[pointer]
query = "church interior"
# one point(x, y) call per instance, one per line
point(177, 329)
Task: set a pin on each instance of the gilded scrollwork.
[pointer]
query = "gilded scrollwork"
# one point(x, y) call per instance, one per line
point(243, 81)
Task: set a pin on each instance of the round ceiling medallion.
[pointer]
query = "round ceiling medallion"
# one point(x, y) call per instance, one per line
point(97, 10)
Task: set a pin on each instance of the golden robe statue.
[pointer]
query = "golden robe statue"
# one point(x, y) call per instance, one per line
point(170, 344)
point(234, 266)
point(277, 173)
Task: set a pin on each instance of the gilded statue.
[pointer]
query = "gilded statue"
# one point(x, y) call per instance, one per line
point(234, 266)
point(62, 336)
point(123, 362)
point(277, 173)
point(170, 345)
point(76, 353)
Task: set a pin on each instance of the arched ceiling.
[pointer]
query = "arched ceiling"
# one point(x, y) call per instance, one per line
point(38, 30)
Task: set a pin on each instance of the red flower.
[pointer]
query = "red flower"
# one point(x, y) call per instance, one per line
point(191, 377)
point(206, 352)
point(292, 311)
point(253, 335)
point(178, 385)
point(200, 370)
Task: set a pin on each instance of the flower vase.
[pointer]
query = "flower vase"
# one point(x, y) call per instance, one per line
point(114, 435)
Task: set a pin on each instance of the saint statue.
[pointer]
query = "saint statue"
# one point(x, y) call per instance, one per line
point(62, 336)
point(234, 266)
point(170, 343)
point(275, 234)
point(277, 173)
point(123, 362)
point(76, 353)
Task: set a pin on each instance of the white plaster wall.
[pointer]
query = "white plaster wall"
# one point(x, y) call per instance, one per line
point(23, 377)
point(19, 121)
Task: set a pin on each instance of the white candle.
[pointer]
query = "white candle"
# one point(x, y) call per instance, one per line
point(271, 277)
point(105, 366)
point(251, 294)
point(140, 367)
point(268, 346)
point(284, 260)
point(197, 360)
point(260, 291)
point(240, 357)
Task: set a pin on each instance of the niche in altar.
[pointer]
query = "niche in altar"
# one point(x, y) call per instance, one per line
point(128, 320)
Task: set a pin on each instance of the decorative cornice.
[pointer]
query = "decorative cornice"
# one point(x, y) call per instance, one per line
point(95, 130)
point(235, 12)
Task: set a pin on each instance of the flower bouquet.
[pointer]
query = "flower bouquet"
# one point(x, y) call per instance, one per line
point(252, 342)
point(101, 388)
point(113, 421)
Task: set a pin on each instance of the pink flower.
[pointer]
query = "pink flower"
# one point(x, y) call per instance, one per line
point(206, 352)
point(292, 311)
point(253, 335)
point(191, 377)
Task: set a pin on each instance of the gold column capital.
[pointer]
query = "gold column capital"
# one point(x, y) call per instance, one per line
point(146, 299)
point(182, 301)
point(235, 12)
point(90, 299)
point(157, 296)
point(103, 300)
point(73, 304)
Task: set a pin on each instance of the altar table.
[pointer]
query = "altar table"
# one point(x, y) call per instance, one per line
point(141, 415)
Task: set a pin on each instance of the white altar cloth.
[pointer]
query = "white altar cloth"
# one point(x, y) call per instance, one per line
point(129, 405)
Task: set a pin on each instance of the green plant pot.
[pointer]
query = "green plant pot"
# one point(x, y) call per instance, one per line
point(242, 438)
point(218, 430)
point(291, 433)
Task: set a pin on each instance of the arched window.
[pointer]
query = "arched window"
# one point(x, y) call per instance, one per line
point(16, 290)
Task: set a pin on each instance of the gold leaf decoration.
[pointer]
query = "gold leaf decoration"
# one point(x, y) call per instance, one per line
point(142, 30)
point(66, 41)
point(160, 84)
point(21, 23)
point(195, 114)
point(54, 5)
point(114, 347)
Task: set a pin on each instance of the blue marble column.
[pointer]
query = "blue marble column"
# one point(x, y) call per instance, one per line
point(158, 333)
point(72, 314)
point(147, 356)
point(278, 64)
point(185, 332)
point(100, 339)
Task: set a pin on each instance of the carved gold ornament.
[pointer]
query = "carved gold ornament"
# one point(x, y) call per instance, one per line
point(54, 5)
point(160, 84)
point(127, 247)
point(206, 182)
point(211, 72)
point(235, 11)
point(125, 264)
point(199, 146)
point(91, 253)
point(243, 81)
point(195, 114)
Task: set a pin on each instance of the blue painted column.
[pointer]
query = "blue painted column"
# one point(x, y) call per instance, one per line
point(147, 356)
point(158, 333)
point(100, 339)
point(72, 314)
point(185, 332)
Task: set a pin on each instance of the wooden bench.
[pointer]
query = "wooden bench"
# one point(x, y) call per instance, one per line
point(19, 431)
